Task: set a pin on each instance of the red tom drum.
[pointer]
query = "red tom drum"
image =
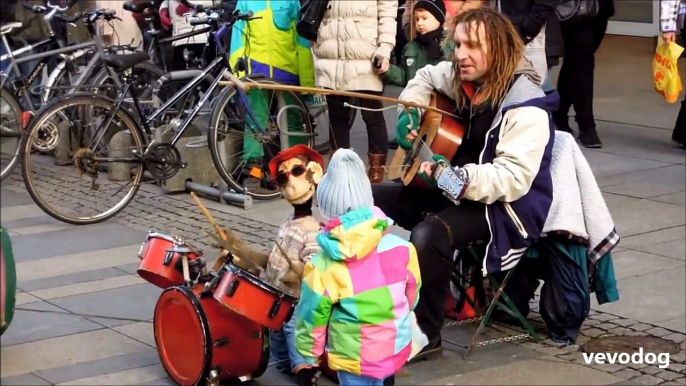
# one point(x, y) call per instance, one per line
point(202, 342)
point(245, 294)
point(161, 267)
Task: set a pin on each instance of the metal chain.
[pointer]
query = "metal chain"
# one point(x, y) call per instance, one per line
point(502, 340)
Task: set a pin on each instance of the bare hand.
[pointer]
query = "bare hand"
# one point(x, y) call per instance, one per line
point(427, 167)
point(669, 37)
point(385, 65)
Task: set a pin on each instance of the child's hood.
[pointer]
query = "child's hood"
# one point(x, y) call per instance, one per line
point(354, 235)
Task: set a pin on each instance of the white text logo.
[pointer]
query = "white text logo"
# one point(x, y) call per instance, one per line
point(623, 358)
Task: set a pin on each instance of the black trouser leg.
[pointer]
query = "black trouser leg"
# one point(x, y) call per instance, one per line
point(341, 119)
point(377, 136)
point(599, 29)
point(576, 84)
point(436, 240)
point(679, 133)
point(402, 205)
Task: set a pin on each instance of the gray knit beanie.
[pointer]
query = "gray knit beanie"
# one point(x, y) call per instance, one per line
point(345, 186)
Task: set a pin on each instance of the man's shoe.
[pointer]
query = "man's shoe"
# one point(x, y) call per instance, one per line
point(590, 139)
point(431, 351)
point(308, 376)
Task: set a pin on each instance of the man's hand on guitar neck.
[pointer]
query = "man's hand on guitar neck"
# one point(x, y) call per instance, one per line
point(406, 128)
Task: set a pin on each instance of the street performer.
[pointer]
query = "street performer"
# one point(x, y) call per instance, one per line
point(497, 189)
point(297, 171)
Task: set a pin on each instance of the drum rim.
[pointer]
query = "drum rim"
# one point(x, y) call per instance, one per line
point(204, 326)
point(240, 272)
point(163, 236)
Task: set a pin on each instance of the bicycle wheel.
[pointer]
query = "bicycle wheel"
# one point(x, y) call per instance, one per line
point(103, 160)
point(241, 157)
point(10, 132)
point(322, 126)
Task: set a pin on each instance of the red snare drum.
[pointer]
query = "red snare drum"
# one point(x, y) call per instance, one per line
point(200, 341)
point(245, 294)
point(159, 266)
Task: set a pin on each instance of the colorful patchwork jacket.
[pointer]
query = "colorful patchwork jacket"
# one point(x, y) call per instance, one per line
point(357, 296)
point(271, 45)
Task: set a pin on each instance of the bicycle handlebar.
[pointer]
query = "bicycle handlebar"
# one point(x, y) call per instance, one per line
point(215, 17)
point(44, 8)
point(138, 8)
point(107, 14)
point(195, 7)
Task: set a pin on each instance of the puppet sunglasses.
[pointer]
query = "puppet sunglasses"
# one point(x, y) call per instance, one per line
point(296, 171)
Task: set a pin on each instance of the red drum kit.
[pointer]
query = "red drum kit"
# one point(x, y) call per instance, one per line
point(210, 327)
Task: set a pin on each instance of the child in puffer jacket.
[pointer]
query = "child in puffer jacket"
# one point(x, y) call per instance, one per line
point(426, 48)
point(359, 292)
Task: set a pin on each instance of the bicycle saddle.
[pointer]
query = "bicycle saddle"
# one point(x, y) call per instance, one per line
point(126, 61)
point(13, 28)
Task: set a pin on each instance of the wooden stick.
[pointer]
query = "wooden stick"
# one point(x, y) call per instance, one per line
point(184, 265)
point(220, 260)
point(323, 91)
point(285, 256)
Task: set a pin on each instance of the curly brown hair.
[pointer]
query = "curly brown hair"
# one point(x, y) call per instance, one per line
point(505, 50)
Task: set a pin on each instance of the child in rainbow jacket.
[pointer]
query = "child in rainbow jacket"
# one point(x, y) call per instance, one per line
point(359, 292)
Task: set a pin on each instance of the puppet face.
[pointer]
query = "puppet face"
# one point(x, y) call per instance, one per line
point(297, 178)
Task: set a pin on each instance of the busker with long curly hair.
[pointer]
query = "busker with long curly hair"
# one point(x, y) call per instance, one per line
point(500, 174)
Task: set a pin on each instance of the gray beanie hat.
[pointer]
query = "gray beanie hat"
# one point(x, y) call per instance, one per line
point(345, 186)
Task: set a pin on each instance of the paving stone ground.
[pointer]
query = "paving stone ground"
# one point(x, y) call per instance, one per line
point(84, 317)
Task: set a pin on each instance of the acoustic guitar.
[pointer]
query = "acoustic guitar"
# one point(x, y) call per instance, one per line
point(438, 134)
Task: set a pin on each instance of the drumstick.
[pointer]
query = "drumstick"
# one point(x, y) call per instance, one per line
point(285, 256)
point(184, 265)
point(207, 214)
point(220, 260)
point(244, 258)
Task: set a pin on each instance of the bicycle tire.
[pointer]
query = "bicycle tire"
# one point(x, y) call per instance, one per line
point(15, 107)
point(215, 116)
point(45, 114)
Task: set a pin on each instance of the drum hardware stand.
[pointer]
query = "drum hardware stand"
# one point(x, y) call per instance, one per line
point(183, 250)
point(223, 194)
point(213, 378)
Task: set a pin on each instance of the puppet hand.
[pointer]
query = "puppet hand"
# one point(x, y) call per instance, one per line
point(406, 129)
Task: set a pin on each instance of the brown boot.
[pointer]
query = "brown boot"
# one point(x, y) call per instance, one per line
point(376, 171)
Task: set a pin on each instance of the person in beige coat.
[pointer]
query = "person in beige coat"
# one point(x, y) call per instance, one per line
point(352, 34)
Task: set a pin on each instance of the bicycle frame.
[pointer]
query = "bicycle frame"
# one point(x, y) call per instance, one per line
point(214, 70)
point(44, 57)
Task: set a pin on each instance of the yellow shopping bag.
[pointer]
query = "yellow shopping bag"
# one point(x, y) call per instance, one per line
point(665, 73)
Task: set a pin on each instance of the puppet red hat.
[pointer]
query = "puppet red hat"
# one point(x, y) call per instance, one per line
point(297, 150)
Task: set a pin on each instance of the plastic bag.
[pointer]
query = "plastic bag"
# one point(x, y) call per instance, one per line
point(666, 78)
point(419, 339)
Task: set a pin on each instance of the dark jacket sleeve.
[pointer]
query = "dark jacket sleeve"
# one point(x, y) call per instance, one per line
point(535, 20)
point(396, 75)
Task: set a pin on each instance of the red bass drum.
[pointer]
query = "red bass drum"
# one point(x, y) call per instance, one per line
point(202, 342)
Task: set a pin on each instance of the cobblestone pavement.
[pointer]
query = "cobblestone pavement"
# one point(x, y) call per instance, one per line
point(178, 215)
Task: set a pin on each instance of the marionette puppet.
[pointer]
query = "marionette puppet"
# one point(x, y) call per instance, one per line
point(297, 171)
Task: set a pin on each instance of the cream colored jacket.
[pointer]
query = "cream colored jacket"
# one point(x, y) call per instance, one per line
point(523, 135)
point(351, 34)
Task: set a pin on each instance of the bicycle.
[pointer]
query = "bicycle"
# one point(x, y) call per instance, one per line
point(140, 151)
point(19, 106)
